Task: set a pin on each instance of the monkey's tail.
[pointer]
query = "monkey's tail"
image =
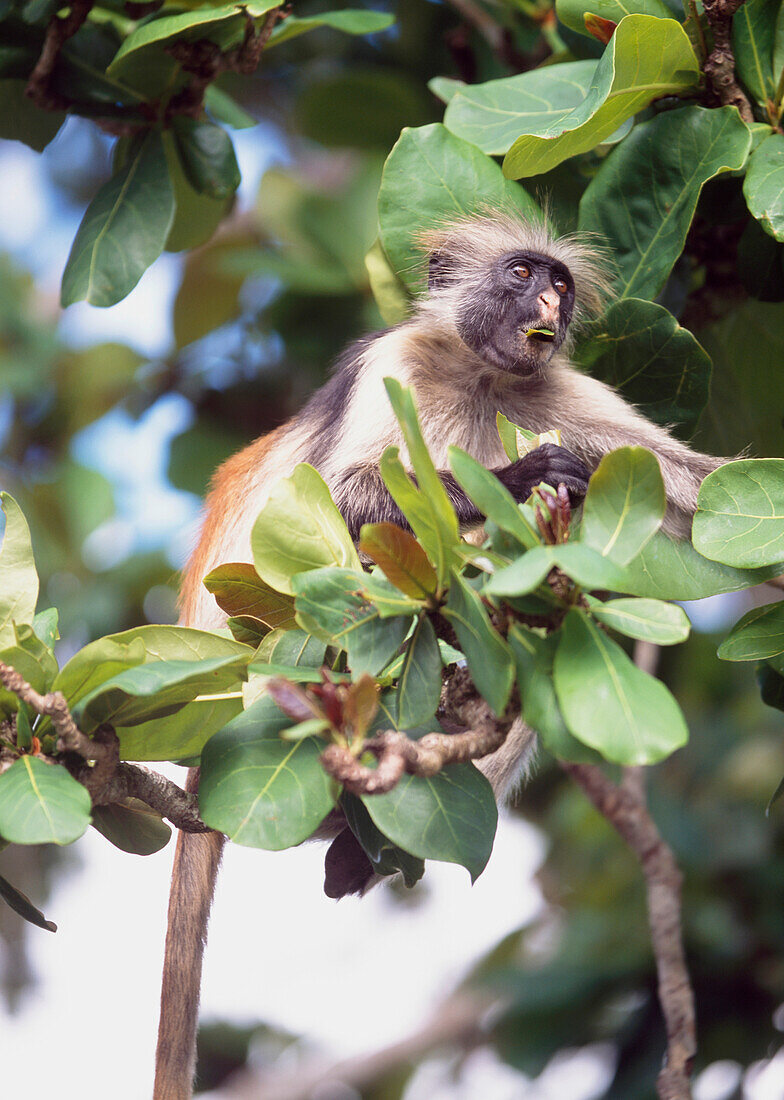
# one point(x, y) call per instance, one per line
point(196, 863)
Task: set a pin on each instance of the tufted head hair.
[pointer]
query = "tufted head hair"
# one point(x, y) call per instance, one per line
point(461, 250)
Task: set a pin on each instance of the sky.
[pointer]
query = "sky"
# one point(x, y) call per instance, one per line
point(279, 950)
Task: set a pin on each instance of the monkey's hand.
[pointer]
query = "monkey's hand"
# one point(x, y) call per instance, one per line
point(549, 463)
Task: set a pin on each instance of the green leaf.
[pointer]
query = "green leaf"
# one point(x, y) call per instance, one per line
point(491, 498)
point(300, 528)
point(180, 735)
point(639, 349)
point(419, 681)
point(386, 858)
point(41, 804)
point(22, 905)
point(650, 620)
point(764, 185)
point(404, 562)
point(624, 505)
point(349, 22)
point(18, 576)
point(645, 59)
point(445, 87)
point(387, 598)
point(239, 590)
point(291, 647)
point(753, 34)
point(156, 690)
point(330, 605)
point(437, 543)
point(643, 198)
point(429, 177)
point(493, 115)
point(132, 827)
point(534, 665)
point(671, 569)
point(759, 634)
point(260, 790)
point(583, 564)
point(402, 400)
point(207, 157)
point(489, 658)
point(740, 513)
point(124, 229)
point(224, 109)
point(225, 26)
point(572, 12)
point(45, 623)
point(451, 816)
point(778, 44)
point(21, 120)
point(197, 215)
point(609, 703)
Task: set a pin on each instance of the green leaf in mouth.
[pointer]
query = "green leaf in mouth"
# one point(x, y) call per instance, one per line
point(540, 334)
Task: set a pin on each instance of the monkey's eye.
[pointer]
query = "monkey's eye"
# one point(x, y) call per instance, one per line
point(560, 284)
point(522, 271)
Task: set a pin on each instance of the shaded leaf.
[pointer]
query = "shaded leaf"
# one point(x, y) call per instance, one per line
point(386, 858)
point(22, 905)
point(489, 657)
point(41, 804)
point(207, 157)
point(643, 198)
point(348, 21)
point(491, 498)
point(22, 120)
point(609, 703)
point(639, 349)
point(753, 34)
point(451, 816)
point(132, 826)
point(300, 528)
point(646, 58)
point(224, 109)
point(260, 790)
point(239, 590)
point(419, 679)
point(124, 228)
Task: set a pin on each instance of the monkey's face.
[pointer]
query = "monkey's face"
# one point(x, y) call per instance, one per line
point(516, 315)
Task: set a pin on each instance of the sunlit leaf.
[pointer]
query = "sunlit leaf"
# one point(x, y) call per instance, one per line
point(18, 576)
point(646, 58)
point(347, 21)
point(624, 505)
point(764, 185)
point(239, 590)
point(402, 559)
point(419, 679)
point(650, 620)
point(491, 498)
point(759, 634)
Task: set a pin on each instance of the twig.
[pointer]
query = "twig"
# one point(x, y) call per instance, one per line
point(57, 34)
point(106, 779)
point(397, 754)
point(719, 67)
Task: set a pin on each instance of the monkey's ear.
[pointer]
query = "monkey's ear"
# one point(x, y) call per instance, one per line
point(436, 271)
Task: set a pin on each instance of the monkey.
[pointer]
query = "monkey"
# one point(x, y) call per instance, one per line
point(492, 333)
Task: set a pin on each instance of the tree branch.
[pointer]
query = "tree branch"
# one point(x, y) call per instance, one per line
point(99, 768)
point(57, 34)
point(719, 67)
point(397, 754)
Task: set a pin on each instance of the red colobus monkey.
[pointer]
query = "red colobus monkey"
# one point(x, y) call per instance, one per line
point(468, 353)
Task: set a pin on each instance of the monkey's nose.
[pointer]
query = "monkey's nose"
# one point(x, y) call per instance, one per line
point(550, 305)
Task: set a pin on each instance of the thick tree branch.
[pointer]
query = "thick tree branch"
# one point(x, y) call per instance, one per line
point(719, 67)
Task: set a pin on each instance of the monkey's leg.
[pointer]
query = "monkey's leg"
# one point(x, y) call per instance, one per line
point(362, 496)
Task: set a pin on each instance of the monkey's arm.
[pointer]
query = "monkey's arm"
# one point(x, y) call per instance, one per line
point(595, 420)
point(362, 496)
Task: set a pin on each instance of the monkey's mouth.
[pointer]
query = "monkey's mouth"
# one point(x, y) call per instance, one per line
point(543, 335)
